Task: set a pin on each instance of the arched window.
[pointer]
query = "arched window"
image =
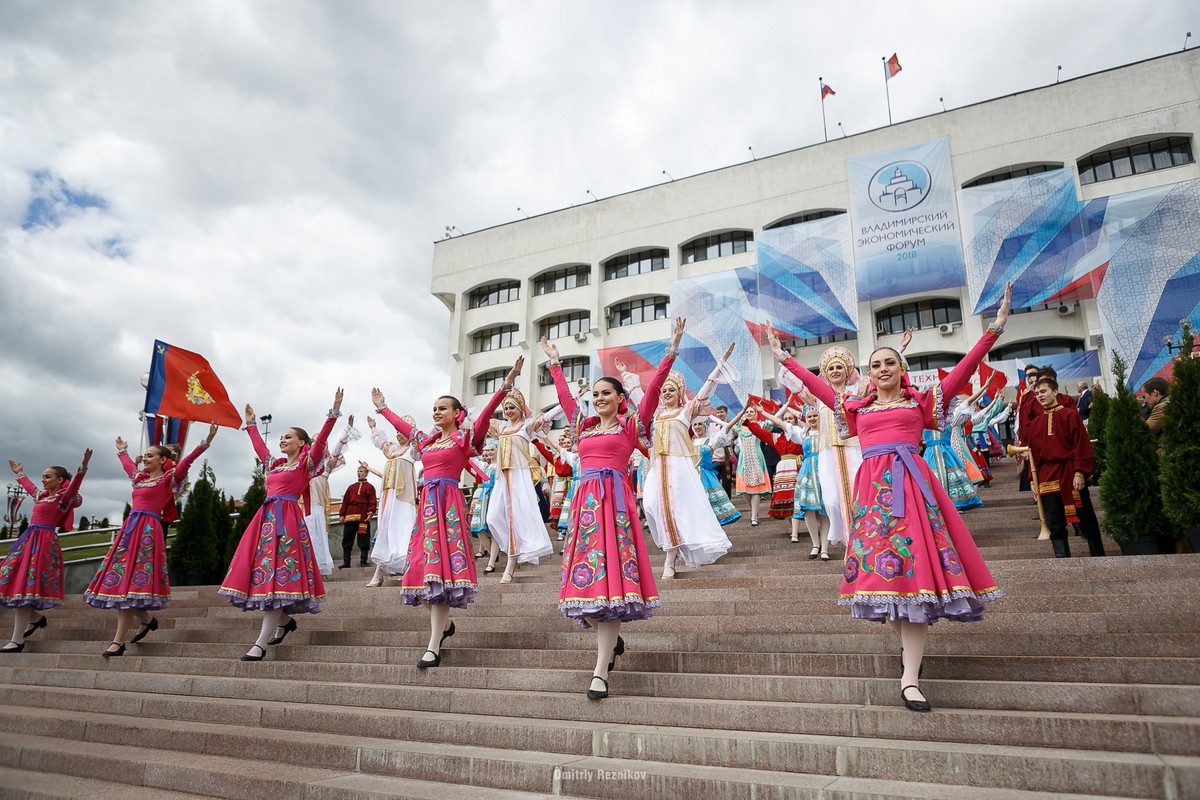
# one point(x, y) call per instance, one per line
point(1134, 158)
point(561, 325)
point(806, 216)
point(1036, 348)
point(631, 312)
point(715, 245)
point(637, 263)
point(492, 294)
point(488, 382)
point(1008, 173)
point(920, 314)
point(574, 369)
point(832, 338)
point(493, 338)
point(562, 278)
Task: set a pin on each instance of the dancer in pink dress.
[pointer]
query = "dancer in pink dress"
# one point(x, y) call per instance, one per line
point(31, 575)
point(441, 569)
point(274, 569)
point(606, 573)
point(910, 559)
point(133, 576)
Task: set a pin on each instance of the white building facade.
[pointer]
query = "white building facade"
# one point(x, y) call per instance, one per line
point(598, 275)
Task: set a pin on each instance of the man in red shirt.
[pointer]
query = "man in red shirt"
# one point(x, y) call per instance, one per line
point(1062, 454)
point(358, 506)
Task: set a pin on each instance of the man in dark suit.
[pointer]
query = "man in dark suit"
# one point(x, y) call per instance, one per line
point(1084, 403)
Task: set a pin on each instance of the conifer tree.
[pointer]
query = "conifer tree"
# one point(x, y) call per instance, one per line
point(1097, 419)
point(1180, 440)
point(194, 555)
point(255, 496)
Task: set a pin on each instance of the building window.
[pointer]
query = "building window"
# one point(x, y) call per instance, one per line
point(574, 369)
point(557, 280)
point(494, 338)
point(636, 263)
point(631, 312)
point(1010, 173)
point(716, 245)
point(1037, 348)
point(1118, 162)
point(833, 338)
point(561, 325)
point(919, 315)
point(934, 360)
point(807, 216)
point(489, 382)
point(493, 294)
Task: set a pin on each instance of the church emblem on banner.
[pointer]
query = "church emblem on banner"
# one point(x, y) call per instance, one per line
point(899, 186)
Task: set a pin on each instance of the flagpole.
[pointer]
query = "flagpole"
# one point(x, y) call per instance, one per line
point(887, 93)
point(824, 128)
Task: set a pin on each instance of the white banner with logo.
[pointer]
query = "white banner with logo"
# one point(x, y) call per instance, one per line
point(906, 235)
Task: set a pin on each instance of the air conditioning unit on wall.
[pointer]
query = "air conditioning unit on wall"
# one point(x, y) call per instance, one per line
point(946, 328)
point(581, 337)
point(1067, 309)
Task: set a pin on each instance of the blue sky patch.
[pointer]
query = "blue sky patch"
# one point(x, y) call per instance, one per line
point(53, 200)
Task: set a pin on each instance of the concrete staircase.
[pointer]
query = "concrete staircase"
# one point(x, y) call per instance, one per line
point(749, 683)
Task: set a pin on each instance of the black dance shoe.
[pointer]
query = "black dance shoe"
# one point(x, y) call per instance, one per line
point(34, 626)
point(914, 705)
point(120, 651)
point(152, 625)
point(262, 652)
point(278, 639)
point(618, 650)
point(423, 664)
point(593, 694)
point(446, 634)
point(12, 647)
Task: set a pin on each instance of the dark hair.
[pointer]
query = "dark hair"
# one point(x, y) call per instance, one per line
point(454, 403)
point(60, 472)
point(1050, 371)
point(1047, 381)
point(163, 450)
point(302, 434)
point(617, 385)
point(899, 357)
point(1157, 384)
point(721, 408)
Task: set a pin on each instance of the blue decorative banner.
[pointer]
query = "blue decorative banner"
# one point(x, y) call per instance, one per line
point(905, 221)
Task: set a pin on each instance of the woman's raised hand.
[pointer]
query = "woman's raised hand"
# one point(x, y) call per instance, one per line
point(377, 398)
point(371, 422)
point(728, 351)
point(87, 456)
point(337, 401)
point(16, 467)
point(249, 415)
point(549, 348)
point(620, 365)
point(1005, 307)
point(773, 340)
point(677, 333)
point(122, 446)
point(212, 434)
point(514, 372)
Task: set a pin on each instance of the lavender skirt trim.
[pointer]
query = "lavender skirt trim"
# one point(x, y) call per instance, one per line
point(291, 604)
point(33, 600)
point(145, 602)
point(960, 606)
point(587, 612)
point(456, 595)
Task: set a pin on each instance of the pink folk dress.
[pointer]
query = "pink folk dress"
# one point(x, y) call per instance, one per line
point(134, 573)
point(274, 565)
point(441, 565)
point(909, 555)
point(606, 572)
point(32, 572)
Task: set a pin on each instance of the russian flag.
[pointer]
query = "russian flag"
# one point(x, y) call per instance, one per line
point(892, 66)
point(826, 91)
point(182, 385)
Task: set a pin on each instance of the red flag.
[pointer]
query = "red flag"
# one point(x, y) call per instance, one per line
point(892, 67)
point(765, 403)
point(183, 385)
point(826, 91)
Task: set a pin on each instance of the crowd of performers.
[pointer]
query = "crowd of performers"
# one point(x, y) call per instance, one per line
point(850, 471)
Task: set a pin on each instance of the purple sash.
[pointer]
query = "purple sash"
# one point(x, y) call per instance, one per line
point(904, 461)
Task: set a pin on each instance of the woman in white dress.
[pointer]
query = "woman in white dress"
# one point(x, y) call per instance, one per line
point(678, 513)
point(513, 514)
point(318, 490)
point(397, 503)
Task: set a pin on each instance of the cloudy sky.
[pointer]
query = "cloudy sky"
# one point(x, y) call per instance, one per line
point(262, 182)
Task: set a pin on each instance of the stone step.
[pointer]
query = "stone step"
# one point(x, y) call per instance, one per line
point(1008, 695)
point(201, 700)
point(20, 784)
point(631, 754)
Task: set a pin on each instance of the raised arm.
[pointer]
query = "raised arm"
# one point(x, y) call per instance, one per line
point(710, 383)
point(399, 424)
point(185, 463)
point(566, 400)
point(370, 469)
point(963, 370)
point(256, 440)
point(631, 382)
point(819, 388)
point(350, 434)
point(480, 431)
point(127, 463)
point(22, 478)
point(66, 499)
point(649, 403)
point(317, 451)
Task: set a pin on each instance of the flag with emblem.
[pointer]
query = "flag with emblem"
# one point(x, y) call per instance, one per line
point(183, 385)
